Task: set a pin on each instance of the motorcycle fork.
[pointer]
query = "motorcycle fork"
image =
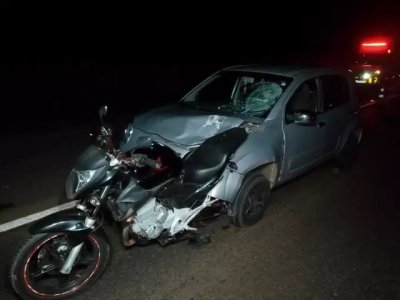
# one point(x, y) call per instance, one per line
point(90, 221)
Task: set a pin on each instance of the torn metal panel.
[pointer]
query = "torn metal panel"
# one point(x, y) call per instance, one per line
point(184, 125)
point(137, 138)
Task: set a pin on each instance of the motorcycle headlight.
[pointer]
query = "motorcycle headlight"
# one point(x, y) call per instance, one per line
point(77, 181)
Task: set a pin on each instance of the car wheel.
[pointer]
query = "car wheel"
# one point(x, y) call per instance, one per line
point(251, 201)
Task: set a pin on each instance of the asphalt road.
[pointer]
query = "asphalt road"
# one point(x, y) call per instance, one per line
point(328, 235)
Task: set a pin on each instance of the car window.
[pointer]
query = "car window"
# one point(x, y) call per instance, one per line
point(305, 98)
point(218, 91)
point(243, 93)
point(335, 91)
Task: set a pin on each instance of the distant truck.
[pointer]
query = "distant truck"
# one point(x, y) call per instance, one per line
point(376, 70)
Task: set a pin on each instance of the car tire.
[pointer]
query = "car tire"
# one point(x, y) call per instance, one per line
point(251, 201)
point(349, 152)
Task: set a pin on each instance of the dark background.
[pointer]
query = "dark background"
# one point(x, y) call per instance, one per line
point(333, 234)
point(134, 59)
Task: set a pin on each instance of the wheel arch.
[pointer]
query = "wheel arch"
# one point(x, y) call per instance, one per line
point(231, 182)
point(356, 131)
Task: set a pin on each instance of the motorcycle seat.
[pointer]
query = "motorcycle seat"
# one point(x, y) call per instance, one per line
point(209, 160)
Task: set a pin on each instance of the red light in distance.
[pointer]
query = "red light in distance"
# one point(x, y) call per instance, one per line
point(376, 45)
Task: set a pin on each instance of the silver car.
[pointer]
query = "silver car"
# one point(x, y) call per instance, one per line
point(296, 118)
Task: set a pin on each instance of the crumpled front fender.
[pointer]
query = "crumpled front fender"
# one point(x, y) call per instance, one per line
point(70, 222)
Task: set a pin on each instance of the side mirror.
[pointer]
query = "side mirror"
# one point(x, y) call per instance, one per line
point(103, 112)
point(306, 118)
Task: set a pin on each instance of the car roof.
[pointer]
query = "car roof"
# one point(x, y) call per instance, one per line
point(289, 71)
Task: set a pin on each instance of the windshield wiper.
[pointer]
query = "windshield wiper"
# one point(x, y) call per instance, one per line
point(184, 103)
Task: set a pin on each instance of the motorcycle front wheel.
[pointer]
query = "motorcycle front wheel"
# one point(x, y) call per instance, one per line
point(35, 269)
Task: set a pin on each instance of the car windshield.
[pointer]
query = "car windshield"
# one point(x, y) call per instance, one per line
point(252, 94)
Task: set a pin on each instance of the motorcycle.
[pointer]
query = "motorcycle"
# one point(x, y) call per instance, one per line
point(151, 192)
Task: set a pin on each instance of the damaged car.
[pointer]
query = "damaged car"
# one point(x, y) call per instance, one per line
point(221, 149)
point(295, 119)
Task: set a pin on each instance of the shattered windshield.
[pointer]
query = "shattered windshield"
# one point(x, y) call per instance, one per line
point(239, 93)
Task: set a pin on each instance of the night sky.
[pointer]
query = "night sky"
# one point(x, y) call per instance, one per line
point(51, 75)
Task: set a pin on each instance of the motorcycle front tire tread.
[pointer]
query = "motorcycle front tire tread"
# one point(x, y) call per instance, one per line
point(15, 271)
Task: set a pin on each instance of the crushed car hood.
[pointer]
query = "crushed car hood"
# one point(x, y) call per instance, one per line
point(184, 125)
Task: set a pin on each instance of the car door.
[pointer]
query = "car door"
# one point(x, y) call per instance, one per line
point(303, 144)
point(336, 111)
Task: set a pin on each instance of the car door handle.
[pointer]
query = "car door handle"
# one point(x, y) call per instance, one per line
point(320, 124)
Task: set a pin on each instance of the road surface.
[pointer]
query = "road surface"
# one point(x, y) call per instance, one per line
point(328, 235)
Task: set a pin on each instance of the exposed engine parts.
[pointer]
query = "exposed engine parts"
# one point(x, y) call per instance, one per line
point(153, 218)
